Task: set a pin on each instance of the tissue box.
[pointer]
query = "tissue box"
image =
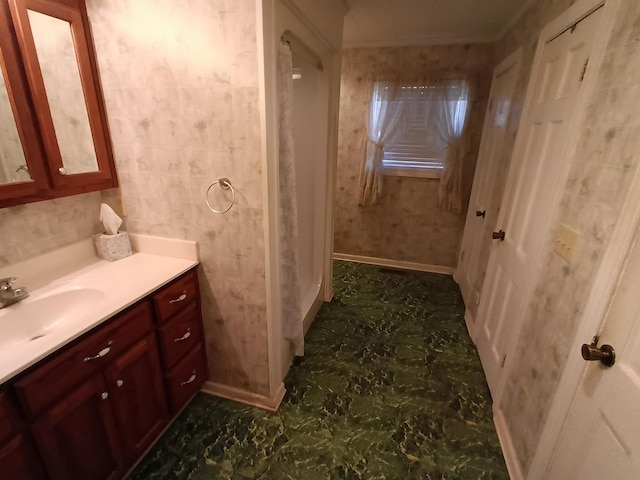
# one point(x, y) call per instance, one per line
point(113, 247)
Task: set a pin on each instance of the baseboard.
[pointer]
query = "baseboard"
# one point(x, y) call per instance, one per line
point(383, 262)
point(271, 404)
point(508, 451)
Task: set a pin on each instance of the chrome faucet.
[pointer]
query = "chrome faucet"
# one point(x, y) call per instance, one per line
point(10, 295)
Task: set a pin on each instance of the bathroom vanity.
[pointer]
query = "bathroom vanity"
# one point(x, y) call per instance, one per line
point(89, 405)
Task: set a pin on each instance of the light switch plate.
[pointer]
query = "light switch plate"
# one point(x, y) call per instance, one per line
point(566, 241)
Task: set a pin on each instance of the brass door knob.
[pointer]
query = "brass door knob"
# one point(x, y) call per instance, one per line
point(499, 235)
point(605, 354)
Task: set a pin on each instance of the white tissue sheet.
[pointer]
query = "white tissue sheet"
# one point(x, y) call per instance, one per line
point(110, 220)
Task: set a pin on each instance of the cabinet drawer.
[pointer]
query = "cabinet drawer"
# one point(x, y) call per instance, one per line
point(186, 379)
point(58, 375)
point(174, 297)
point(180, 335)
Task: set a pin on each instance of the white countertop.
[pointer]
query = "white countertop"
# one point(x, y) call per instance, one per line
point(122, 283)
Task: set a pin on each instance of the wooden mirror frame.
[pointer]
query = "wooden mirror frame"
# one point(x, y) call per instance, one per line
point(16, 84)
point(48, 166)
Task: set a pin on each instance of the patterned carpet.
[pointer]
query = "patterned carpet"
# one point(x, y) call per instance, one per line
point(390, 387)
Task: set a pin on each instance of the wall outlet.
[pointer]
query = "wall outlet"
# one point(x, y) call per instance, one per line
point(566, 241)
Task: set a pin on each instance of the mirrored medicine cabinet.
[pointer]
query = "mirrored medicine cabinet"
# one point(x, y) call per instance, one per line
point(54, 137)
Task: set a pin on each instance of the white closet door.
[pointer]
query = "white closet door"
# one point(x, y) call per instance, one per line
point(532, 185)
point(479, 215)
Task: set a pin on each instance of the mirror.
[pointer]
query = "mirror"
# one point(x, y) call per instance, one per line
point(13, 165)
point(57, 57)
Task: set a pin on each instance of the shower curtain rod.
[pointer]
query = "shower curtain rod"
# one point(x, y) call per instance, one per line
point(300, 48)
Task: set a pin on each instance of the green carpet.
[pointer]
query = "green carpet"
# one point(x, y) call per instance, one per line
point(390, 387)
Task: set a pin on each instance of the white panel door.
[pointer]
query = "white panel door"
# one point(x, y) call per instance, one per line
point(601, 438)
point(479, 213)
point(531, 187)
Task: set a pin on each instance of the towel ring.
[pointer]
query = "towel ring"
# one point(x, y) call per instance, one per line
point(226, 184)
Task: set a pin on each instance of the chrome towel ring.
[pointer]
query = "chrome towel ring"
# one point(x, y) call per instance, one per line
point(225, 184)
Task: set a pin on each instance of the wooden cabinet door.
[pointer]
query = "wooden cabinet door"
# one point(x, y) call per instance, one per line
point(18, 461)
point(138, 399)
point(77, 437)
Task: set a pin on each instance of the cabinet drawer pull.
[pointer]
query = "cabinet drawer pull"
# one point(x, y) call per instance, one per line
point(192, 379)
point(180, 298)
point(119, 383)
point(104, 395)
point(102, 353)
point(183, 337)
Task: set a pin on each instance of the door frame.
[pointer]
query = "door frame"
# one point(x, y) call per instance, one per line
point(602, 291)
point(316, 27)
point(558, 25)
point(513, 60)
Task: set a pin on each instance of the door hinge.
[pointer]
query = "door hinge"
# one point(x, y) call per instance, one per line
point(491, 105)
point(504, 359)
point(584, 69)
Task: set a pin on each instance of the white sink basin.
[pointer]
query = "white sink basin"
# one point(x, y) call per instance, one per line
point(38, 316)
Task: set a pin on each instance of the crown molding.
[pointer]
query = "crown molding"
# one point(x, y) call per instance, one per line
point(418, 42)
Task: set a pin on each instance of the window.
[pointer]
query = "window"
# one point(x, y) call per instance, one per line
point(428, 112)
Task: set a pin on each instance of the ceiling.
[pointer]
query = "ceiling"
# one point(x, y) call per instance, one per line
point(373, 23)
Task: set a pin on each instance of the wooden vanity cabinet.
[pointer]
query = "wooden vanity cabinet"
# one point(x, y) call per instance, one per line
point(78, 436)
point(17, 457)
point(138, 397)
point(100, 404)
point(181, 339)
point(96, 406)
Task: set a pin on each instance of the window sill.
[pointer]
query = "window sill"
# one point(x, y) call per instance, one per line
point(413, 172)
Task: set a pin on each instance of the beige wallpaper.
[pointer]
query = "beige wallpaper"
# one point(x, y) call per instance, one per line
point(606, 160)
point(406, 224)
point(181, 86)
point(36, 228)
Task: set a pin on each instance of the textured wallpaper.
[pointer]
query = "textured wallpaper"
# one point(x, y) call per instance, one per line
point(606, 160)
point(37, 228)
point(406, 224)
point(180, 82)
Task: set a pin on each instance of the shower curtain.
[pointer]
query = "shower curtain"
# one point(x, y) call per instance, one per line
point(292, 321)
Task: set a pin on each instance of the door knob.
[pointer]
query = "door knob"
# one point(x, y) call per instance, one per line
point(499, 235)
point(481, 213)
point(605, 354)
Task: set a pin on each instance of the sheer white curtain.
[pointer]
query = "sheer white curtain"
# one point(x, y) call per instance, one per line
point(382, 119)
point(292, 321)
point(455, 106)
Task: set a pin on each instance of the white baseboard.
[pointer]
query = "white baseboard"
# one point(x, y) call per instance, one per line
point(263, 402)
point(508, 451)
point(383, 262)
